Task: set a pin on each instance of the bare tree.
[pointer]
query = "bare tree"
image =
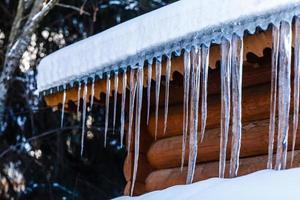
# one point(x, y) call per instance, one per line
point(19, 39)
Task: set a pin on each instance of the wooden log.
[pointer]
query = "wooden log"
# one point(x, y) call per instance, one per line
point(253, 74)
point(166, 153)
point(144, 168)
point(138, 189)
point(255, 105)
point(145, 139)
point(162, 179)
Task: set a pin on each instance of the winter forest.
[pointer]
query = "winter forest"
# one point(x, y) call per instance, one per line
point(38, 158)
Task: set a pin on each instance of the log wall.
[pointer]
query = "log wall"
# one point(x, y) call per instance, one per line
point(159, 163)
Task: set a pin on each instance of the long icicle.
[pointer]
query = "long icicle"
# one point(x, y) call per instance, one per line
point(194, 104)
point(167, 90)
point(225, 102)
point(124, 85)
point(157, 92)
point(273, 98)
point(186, 85)
point(83, 117)
point(106, 107)
point(284, 90)
point(116, 84)
point(204, 80)
point(78, 101)
point(63, 107)
point(149, 90)
point(139, 100)
point(92, 93)
point(296, 83)
point(132, 85)
point(237, 73)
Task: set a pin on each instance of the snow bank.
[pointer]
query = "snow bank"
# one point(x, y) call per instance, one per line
point(265, 184)
point(147, 36)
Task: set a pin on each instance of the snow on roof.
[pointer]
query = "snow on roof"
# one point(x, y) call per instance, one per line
point(160, 32)
point(265, 184)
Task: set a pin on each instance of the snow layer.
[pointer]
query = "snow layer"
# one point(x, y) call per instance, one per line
point(265, 184)
point(119, 46)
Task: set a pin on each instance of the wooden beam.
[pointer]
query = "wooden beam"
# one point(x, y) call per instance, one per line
point(166, 153)
point(162, 179)
point(255, 106)
point(144, 168)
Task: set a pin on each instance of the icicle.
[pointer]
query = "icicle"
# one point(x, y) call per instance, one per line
point(124, 84)
point(92, 93)
point(78, 100)
point(149, 90)
point(204, 80)
point(274, 77)
point(63, 107)
point(157, 92)
point(225, 102)
point(139, 100)
point(131, 106)
point(168, 74)
point(284, 90)
point(106, 107)
point(186, 85)
point(237, 72)
point(116, 83)
point(195, 90)
point(83, 116)
point(296, 84)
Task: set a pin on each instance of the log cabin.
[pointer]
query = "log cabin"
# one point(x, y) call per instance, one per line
point(225, 110)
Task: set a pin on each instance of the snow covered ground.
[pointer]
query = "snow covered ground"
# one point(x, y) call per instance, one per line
point(265, 184)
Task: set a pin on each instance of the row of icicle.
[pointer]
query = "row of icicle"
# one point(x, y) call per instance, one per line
point(196, 64)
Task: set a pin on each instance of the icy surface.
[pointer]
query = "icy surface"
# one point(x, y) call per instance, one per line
point(167, 90)
point(296, 83)
point(83, 117)
point(284, 93)
point(194, 104)
point(273, 98)
point(225, 102)
point(187, 66)
point(237, 72)
point(132, 86)
point(149, 90)
point(139, 100)
point(204, 80)
point(122, 120)
point(92, 93)
point(106, 108)
point(116, 84)
point(265, 184)
point(63, 108)
point(136, 39)
point(157, 92)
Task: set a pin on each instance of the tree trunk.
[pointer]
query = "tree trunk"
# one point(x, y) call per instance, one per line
point(17, 49)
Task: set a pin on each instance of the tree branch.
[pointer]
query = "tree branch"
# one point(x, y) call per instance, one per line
point(81, 11)
point(15, 28)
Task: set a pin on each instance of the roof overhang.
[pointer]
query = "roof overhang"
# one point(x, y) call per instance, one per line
point(168, 30)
